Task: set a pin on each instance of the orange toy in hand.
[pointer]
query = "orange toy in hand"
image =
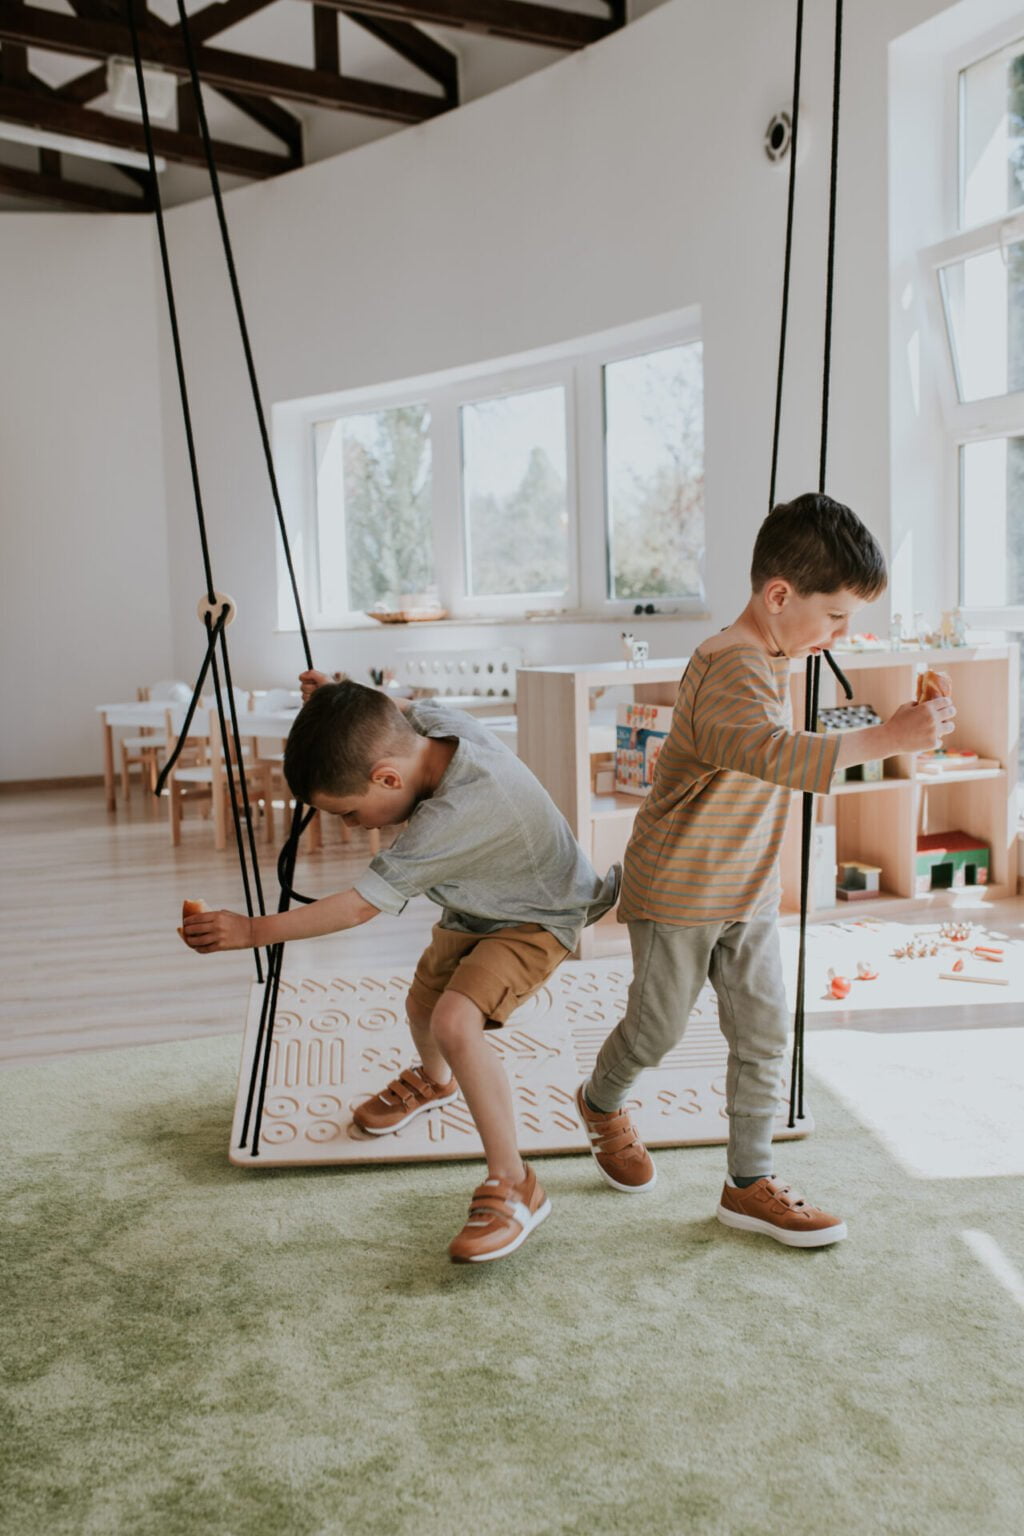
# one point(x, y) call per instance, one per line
point(933, 685)
point(187, 910)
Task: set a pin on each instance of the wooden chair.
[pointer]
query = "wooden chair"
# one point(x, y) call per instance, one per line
point(145, 750)
point(207, 784)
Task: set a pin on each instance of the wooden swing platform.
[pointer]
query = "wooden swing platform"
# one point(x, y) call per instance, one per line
point(337, 1040)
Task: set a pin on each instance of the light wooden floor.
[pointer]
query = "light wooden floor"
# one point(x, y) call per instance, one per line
point(89, 906)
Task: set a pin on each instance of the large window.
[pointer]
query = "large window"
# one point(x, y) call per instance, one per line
point(654, 454)
point(979, 282)
point(515, 495)
point(565, 482)
point(373, 496)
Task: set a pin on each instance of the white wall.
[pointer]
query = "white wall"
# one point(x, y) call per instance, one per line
point(620, 183)
point(84, 595)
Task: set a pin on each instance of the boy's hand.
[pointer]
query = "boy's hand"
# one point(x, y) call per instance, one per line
point(311, 681)
point(207, 932)
point(921, 727)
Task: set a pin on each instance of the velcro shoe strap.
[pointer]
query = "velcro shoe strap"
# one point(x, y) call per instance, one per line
point(494, 1199)
point(615, 1141)
point(407, 1087)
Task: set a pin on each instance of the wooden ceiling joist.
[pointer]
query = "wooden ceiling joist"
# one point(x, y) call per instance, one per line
point(58, 189)
point(268, 114)
point(515, 20)
point(35, 110)
point(416, 47)
point(217, 66)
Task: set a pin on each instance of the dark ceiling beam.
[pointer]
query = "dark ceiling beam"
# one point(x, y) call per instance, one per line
point(216, 66)
point(326, 43)
point(56, 116)
point(515, 20)
point(56, 189)
point(218, 18)
point(275, 119)
point(416, 47)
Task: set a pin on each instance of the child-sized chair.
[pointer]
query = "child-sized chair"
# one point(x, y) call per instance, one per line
point(207, 782)
point(144, 750)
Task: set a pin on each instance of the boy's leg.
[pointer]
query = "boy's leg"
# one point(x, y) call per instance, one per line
point(431, 1056)
point(510, 1202)
point(746, 973)
point(428, 1085)
point(670, 965)
point(669, 968)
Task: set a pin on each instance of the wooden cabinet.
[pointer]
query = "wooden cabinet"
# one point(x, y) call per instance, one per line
point(876, 823)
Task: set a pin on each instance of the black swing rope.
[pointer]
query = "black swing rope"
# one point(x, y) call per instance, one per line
point(813, 674)
point(216, 628)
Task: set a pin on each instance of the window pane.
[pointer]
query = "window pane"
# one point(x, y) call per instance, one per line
point(374, 507)
point(992, 136)
point(992, 522)
point(514, 494)
point(654, 456)
point(984, 302)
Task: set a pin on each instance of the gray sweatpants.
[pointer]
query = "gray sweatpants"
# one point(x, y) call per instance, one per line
point(670, 965)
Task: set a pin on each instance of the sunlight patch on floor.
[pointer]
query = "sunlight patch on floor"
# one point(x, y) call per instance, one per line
point(948, 1105)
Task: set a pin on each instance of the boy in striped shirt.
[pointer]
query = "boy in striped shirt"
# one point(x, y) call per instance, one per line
point(701, 887)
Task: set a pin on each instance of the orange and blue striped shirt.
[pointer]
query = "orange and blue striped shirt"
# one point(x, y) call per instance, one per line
point(705, 843)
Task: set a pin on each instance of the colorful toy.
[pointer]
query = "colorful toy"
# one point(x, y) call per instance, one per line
point(640, 732)
point(949, 861)
point(838, 986)
point(955, 933)
point(857, 881)
point(853, 717)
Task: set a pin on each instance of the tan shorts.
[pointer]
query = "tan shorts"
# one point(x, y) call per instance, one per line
point(497, 971)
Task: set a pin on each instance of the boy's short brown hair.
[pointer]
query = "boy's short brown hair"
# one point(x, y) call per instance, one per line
point(342, 731)
point(818, 545)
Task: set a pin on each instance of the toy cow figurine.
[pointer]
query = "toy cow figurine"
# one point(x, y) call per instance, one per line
point(635, 651)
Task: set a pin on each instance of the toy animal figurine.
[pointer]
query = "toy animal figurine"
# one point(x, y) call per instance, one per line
point(635, 651)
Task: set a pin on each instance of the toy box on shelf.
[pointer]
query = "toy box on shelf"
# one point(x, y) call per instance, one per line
point(640, 732)
point(853, 717)
point(949, 861)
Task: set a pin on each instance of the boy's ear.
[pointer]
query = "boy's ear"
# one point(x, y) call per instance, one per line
point(386, 775)
point(776, 593)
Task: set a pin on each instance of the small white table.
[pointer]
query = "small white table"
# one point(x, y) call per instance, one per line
point(274, 723)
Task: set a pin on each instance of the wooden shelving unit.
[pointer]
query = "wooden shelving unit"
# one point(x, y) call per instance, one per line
point(876, 823)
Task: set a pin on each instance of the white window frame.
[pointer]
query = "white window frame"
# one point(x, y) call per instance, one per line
point(997, 416)
point(578, 368)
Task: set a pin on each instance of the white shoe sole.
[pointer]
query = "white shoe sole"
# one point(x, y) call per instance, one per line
point(627, 1189)
point(818, 1239)
point(524, 1232)
point(389, 1130)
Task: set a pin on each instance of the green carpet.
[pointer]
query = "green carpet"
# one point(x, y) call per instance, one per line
point(191, 1348)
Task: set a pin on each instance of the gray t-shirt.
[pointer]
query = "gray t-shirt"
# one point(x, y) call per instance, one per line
point(489, 845)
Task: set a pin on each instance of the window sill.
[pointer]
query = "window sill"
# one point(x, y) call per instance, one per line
point(508, 619)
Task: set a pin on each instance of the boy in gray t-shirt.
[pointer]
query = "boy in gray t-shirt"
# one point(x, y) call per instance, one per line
point(485, 842)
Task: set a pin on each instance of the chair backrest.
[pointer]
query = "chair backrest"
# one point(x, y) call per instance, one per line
point(488, 673)
point(276, 698)
point(173, 692)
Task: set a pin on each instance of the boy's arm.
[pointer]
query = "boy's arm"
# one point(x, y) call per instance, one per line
point(207, 932)
point(913, 728)
point(738, 724)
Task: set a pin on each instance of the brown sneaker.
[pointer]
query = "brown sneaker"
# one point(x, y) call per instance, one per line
point(778, 1211)
point(401, 1101)
point(620, 1155)
point(501, 1216)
